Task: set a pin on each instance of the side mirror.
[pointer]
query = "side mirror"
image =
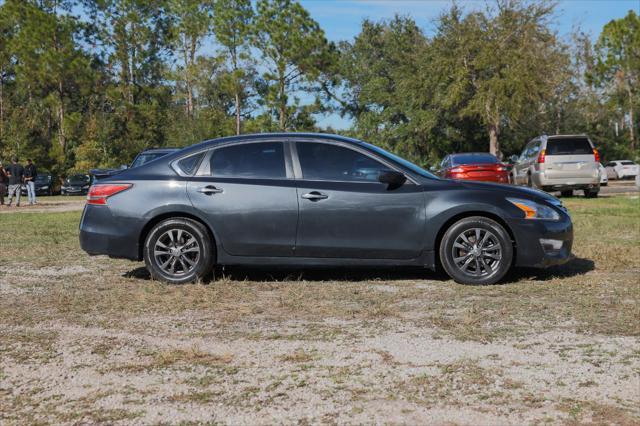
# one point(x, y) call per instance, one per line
point(433, 169)
point(392, 178)
point(514, 158)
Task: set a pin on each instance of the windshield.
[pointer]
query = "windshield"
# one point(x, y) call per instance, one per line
point(145, 158)
point(474, 158)
point(409, 165)
point(43, 178)
point(78, 179)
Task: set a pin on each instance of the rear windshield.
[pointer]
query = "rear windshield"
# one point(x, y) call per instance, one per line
point(476, 158)
point(569, 146)
point(627, 163)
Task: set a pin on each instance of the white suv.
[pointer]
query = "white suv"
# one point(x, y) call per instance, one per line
point(559, 163)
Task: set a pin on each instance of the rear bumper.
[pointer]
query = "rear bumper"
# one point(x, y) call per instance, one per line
point(541, 180)
point(532, 252)
point(102, 234)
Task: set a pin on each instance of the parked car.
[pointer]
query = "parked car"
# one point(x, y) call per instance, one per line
point(45, 183)
point(604, 176)
point(313, 199)
point(478, 166)
point(142, 158)
point(76, 185)
point(559, 163)
point(623, 169)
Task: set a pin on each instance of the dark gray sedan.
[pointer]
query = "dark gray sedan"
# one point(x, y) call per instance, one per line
point(316, 200)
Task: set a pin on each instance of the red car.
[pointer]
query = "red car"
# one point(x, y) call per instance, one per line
point(479, 166)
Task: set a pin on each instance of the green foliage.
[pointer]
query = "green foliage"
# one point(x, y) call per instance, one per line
point(90, 83)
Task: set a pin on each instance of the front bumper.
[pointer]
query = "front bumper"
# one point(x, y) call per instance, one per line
point(74, 190)
point(532, 252)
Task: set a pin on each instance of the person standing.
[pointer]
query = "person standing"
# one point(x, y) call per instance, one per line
point(16, 176)
point(30, 174)
point(3, 183)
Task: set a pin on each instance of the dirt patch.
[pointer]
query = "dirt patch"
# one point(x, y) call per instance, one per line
point(63, 205)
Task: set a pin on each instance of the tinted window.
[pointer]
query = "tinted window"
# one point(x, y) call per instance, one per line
point(78, 179)
point(610, 165)
point(476, 158)
point(249, 160)
point(188, 165)
point(627, 163)
point(330, 162)
point(145, 158)
point(569, 146)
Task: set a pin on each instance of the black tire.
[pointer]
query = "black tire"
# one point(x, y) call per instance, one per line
point(567, 193)
point(529, 182)
point(179, 231)
point(591, 193)
point(495, 270)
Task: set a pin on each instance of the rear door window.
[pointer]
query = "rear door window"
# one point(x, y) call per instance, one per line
point(569, 146)
point(261, 160)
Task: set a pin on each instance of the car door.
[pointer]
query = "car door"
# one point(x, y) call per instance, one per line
point(247, 193)
point(344, 210)
point(519, 166)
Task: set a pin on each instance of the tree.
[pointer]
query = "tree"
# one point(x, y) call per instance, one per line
point(496, 66)
point(233, 20)
point(618, 63)
point(191, 24)
point(294, 49)
point(135, 36)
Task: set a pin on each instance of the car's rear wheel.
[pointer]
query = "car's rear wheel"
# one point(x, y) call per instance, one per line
point(178, 251)
point(476, 250)
point(591, 193)
point(567, 193)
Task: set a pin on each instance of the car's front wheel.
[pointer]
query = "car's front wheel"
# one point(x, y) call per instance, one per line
point(476, 250)
point(178, 251)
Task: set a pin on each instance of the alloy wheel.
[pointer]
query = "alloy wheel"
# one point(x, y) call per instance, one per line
point(176, 252)
point(477, 252)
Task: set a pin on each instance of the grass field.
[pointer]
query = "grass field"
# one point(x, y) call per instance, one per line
point(94, 340)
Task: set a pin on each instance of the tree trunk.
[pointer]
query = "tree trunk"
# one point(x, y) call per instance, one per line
point(1, 103)
point(494, 145)
point(283, 105)
point(62, 140)
point(632, 135)
point(237, 113)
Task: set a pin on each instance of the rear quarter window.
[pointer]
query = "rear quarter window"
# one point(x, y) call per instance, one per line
point(568, 146)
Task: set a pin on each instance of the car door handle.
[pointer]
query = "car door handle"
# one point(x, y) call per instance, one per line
point(315, 196)
point(210, 189)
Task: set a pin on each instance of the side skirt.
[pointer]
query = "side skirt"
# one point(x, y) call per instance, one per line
point(426, 259)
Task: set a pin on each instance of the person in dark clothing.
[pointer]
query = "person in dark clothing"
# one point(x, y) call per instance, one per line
point(30, 174)
point(3, 183)
point(16, 175)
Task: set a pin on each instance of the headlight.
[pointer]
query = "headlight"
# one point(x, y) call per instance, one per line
point(44, 187)
point(533, 210)
point(85, 187)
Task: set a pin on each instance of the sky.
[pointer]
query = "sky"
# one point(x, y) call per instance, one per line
point(342, 19)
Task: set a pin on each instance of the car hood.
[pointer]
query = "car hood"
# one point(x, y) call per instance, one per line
point(511, 191)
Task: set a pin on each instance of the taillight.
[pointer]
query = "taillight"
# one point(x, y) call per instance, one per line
point(457, 170)
point(596, 154)
point(99, 193)
point(541, 157)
